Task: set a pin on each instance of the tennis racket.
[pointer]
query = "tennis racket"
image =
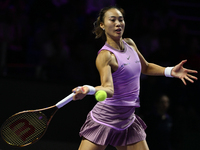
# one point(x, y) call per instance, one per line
point(27, 127)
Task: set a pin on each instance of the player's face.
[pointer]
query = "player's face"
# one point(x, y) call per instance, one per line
point(113, 24)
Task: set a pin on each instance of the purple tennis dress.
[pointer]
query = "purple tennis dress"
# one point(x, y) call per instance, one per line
point(113, 121)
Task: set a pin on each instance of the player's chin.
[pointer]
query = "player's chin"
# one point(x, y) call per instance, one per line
point(117, 36)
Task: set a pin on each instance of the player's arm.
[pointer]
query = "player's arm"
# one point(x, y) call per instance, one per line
point(178, 71)
point(103, 64)
point(147, 68)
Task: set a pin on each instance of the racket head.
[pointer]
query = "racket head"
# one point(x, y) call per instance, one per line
point(24, 128)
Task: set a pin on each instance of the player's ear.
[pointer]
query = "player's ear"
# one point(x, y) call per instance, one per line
point(102, 25)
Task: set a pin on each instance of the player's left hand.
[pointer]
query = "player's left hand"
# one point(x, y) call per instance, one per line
point(182, 73)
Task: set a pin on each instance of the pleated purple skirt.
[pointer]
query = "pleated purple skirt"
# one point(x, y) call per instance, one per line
point(113, 125)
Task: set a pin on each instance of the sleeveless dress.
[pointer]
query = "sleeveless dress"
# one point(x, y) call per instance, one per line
point(113, 121)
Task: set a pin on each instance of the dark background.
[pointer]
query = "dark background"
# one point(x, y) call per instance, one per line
point(47, 48)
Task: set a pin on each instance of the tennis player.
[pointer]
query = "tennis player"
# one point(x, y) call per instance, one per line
point(119, 62)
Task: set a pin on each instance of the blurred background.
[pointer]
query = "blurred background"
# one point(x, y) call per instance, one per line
point(47, 48)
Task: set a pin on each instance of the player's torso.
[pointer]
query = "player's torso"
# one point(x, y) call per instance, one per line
point(127, 60)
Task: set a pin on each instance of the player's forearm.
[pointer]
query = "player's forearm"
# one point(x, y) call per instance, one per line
point(154, 70)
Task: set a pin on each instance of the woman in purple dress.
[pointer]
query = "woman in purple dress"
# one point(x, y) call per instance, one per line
point(119, 62)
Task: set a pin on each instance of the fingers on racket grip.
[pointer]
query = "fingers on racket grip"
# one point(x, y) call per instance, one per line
point(65, 100)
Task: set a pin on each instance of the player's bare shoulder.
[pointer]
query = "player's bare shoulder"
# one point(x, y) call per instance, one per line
point(106, 57)
point(103, 57)
point(129, 41)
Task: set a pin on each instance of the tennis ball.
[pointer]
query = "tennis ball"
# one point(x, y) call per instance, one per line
point(100, 95)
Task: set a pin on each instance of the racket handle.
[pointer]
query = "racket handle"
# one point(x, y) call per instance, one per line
point(65, 100)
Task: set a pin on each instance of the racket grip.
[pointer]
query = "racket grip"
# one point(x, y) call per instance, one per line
point(65, 100)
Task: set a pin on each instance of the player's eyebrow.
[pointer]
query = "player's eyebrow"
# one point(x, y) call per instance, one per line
point(116, 17)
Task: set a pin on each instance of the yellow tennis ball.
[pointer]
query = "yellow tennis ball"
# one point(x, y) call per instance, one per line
point(100, 95)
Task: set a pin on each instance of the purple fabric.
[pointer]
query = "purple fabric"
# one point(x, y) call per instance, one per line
point(117, 117)
point(126, 79)
point(105, 135)
point(113, 121)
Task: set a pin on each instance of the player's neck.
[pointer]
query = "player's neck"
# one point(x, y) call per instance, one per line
point(117, 44)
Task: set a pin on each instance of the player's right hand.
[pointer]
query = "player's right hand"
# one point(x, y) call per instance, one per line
point(80, 92)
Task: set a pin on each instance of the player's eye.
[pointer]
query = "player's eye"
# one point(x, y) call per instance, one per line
point(113, 20)
point(121, 19)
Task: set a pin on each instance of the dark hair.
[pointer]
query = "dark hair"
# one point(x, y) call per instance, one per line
point(98, 31)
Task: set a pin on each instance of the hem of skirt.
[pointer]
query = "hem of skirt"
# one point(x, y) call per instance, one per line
point(102, 138)
point(114, 145)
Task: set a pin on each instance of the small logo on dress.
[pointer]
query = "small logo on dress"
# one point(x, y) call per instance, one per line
point(128, 57)
point(124, 64)
point(137, 61)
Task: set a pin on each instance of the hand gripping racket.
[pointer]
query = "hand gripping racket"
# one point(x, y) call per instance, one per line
point(27, 127)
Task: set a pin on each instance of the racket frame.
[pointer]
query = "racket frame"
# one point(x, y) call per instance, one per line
point(58, 105)
point(31, 111)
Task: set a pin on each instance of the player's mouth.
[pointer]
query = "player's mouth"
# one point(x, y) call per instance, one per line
point(118, 31)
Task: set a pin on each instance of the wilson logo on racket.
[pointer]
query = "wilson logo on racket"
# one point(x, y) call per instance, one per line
point(22, 128)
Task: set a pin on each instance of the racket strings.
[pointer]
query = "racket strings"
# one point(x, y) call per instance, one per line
point(24, 128)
